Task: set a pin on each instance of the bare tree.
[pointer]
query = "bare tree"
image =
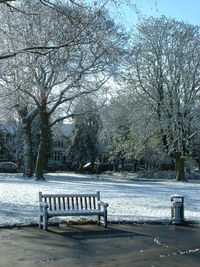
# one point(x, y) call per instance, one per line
point(61, 76)
point(95, 7)
point(16, 102)
point(164, 73)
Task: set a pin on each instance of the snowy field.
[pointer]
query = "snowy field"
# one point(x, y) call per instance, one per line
point(140, 201)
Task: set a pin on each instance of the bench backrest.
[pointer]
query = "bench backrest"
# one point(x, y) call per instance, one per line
point(65, 202)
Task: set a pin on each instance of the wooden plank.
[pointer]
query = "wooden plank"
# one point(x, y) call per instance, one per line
point(81, 200)
point(90, 204)
point(59, 203)
point(68, 204)
point(54, 203)
point(69, 195)
point(85, 202)
point(98, 199)
point(77, 206)
point(75, 213)
point(63, 203)
point(94, 202)
point(72, 198)
point(50, 204)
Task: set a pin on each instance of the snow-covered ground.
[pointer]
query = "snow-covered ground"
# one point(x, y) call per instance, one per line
point(142, 201)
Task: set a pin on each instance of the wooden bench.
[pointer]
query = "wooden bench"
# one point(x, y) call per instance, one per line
point(52, 205)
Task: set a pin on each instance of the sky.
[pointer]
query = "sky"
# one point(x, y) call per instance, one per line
point(183, 10)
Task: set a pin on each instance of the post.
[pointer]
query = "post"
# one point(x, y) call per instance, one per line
point(45, 218)
point(105, 216)
point(99, 207)
point(40, 209)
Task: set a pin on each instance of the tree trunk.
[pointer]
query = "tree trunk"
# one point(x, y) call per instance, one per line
point(27, 143)
point(115, 163)
point(92, 163)
point(123, 165)
point(80, 164)
point(179, 167)
point(41, 157)
point(134, 169)
point(198, 163)
point(19, 163)
point(92, 166)
point(28, 153)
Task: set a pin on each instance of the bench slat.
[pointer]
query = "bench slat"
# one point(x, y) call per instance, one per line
point(50, 205)
point(72, 199)
point(77, 206)
point(81, 199)
point(68, 205)
point(59, 205)
point(63, 203)
point(94, 203)
point(54, 202)
point(69, 195)
point(75, 213)
point(90, 204)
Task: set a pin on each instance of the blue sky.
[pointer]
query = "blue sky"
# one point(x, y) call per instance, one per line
point(186, 10)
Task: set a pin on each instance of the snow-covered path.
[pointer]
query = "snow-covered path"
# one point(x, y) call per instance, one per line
point(134, 201)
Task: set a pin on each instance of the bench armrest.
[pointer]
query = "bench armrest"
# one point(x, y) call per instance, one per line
point(101, 203)
point(43, 205)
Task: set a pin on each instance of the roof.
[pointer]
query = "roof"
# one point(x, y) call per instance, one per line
point(7, 127)
point(62, 129)
point(66, 129)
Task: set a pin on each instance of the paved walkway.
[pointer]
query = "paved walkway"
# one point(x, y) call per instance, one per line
point(89, 245)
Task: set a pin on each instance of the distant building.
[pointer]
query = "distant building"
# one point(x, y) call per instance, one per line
point(7, 142)
point(58, 158)
point(12, 150)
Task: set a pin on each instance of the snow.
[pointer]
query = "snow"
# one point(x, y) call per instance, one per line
point(136, 201)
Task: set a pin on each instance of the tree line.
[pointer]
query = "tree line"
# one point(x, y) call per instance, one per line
point(137, 92)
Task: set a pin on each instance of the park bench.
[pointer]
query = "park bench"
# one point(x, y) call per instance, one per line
point(53, 205)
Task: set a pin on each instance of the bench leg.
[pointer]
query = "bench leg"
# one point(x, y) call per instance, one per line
point(105, 218)
point(98, 219)
point(40, 222)
point(45, 220)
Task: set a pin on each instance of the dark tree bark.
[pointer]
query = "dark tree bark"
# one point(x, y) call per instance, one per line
point(27, 120)
point(41, 157)
point(179, 167)
point(123, 165)
point(198, 164)
point(28, 152)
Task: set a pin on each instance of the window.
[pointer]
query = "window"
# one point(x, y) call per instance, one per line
point(58, 143)
point(56, 156)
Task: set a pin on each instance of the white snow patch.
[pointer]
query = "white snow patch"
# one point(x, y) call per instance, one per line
point(128, 201)
point(157, 241)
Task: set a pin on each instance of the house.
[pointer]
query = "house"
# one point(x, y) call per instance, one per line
point(8, 146)
point(57, 161)
point(12, 148)
point(7, 142)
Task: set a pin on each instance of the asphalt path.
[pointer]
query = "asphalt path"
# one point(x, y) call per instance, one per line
point(127, 245)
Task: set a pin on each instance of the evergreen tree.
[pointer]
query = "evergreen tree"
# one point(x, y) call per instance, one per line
point(84, 139)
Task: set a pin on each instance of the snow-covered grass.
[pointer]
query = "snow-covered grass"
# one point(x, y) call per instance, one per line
point(140, 201)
